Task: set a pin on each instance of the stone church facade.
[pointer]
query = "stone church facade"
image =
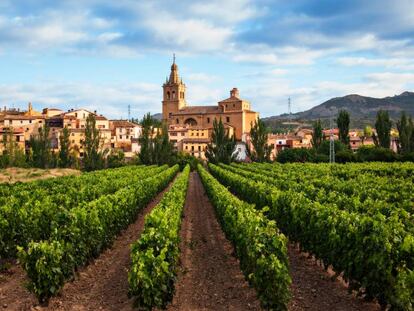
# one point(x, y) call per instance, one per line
point(190, 127)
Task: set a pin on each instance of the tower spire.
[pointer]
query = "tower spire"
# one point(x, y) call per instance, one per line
point(174, 77)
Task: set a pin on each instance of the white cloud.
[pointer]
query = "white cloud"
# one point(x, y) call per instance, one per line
point(110, 100)
point(400, 63)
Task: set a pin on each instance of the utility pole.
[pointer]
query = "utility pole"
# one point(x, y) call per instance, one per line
point(331, 142)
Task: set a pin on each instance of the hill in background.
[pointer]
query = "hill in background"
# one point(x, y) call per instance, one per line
point(362, 109)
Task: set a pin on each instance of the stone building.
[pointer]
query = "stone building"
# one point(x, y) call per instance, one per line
point(185, 121)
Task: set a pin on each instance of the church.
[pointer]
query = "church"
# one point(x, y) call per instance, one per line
point(190, 127)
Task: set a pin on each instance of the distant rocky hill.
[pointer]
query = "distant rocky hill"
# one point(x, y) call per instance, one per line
point(362, 109)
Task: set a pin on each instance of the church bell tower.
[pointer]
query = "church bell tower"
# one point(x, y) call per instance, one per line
point(174, 97)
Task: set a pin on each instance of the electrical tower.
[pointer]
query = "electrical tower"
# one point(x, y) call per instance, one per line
point(289, 107)
point(331, 143)
point(129, 112)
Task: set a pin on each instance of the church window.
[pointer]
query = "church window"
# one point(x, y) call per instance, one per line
point(227, 119)
point(173, 94)
point(168, 95)
point(190, 121)
point(208, 120)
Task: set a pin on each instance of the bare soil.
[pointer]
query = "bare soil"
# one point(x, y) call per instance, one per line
point(101, 285)
point(314, 289)
point(210, 276)
point(15, 174)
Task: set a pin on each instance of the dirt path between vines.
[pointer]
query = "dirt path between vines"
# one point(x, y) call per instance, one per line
point(102, 285)
point(313, 289)
point(210, 276)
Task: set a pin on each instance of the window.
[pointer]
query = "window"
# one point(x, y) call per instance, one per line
point(173, 94)
point(208, 120)
point(127, 137)
point(30, 121)
point(192, 148)
point(73, 141)
point(27, 128)
point(73, 134)
point(199, 148)
point(120, 136)
point(168, 95)
point(182, 134)
point(186, 147)
point(280, 142)
point(177, 121)
point(227, 119)
point(76, 114)
point(197, 134)
point(173, 134)
point(234, 105)
point(84, 116)
point(21, 122)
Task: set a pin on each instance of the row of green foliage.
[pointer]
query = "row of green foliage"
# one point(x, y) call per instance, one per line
point(373, 252)
point(259, 245)
point(364, 192)
point(85, 232)
point(32, 211)
point(155, 255)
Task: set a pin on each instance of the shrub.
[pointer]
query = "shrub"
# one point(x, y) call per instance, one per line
point(366, 154)
point(295, 155)
point(345, 156)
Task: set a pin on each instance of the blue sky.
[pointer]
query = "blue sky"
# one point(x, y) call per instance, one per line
point(104, 55)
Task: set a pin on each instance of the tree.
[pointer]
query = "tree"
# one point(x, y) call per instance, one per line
point(145, 140)
point(163, 148)
point(116, 158)
point(383, 126)
point(64, 152)
point(41, 148)
point(343, 126)
point(221, 148)
point(405, 132)
point(258, 134)
point(317, 135)
point(12, 155)
point(93, 157)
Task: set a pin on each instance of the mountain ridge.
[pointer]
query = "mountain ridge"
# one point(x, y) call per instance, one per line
point(362, 109)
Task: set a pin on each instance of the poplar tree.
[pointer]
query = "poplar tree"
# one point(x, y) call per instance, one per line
point(221, 148)
point(92, 157)
point(317, 135)
point(258, 135)
point(405, 133)
point(41, 148)
point(383, 126)
point(64, 152)
point(343, 126)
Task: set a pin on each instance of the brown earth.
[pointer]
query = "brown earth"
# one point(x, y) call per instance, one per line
point(314, 289)
point(15, 174)
point(102, 285)
point(210, 277)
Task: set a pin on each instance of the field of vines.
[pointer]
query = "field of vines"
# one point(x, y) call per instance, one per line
point(356, 218)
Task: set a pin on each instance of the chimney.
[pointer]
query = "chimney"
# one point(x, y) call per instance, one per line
point(234, 92)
